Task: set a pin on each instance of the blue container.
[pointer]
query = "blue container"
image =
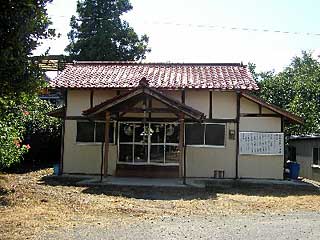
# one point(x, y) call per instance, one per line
point(56, 169)
point(294, 170)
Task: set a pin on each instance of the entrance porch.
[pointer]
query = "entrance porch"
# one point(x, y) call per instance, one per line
point(147, 146)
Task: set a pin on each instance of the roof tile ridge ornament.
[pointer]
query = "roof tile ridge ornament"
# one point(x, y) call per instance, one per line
point(143, 82)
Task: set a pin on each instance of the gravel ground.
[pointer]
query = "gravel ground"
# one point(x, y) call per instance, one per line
point(299, 225)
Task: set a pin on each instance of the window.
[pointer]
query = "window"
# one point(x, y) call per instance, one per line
point(195, 134)
point(316, 160)
point(88, 132)
point(208, 134)
point(85, 132)
point(214, 134)
point(149, 143)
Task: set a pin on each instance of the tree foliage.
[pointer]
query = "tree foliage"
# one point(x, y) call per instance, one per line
point(20, 126)
point(23, 24)
point(99, 33)
point(296, 89)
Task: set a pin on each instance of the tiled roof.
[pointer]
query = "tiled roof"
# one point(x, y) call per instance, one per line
point(159, 75)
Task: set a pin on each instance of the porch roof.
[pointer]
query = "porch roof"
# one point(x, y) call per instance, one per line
point(121, 102)
point(58, 113)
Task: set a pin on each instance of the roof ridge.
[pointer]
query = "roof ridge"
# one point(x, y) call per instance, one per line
point(159, 63)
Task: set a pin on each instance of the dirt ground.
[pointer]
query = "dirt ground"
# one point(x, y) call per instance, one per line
point(34, 203)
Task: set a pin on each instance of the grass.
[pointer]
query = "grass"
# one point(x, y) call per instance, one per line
point(32, 203)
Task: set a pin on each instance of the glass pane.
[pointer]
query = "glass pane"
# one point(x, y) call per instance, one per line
point(157, 130)
point(215, 134)
point(157, 154)
point(100, 128)
point(140, 153)
point(172, 154)
point(172, 133)
point(85, 131)
point(315, 156)
point(126, 132)
point(194, 134)
point(125, 153)
point(141, 133)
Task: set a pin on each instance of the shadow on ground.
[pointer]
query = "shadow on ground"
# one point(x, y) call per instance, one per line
point(153, 193)
point(137, 192)
point(23, 168)
point(188, 193)
point(4, 191)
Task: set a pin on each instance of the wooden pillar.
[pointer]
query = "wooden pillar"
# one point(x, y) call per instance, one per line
point(63, 130)
point(237, 135)
point(106, 145)
point(210, 105)
point(181, 145)
point(62, 146)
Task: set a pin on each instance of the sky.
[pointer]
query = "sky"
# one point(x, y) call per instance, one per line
point(192, 31)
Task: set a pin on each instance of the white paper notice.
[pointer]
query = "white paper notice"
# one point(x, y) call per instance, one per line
point(260, 143)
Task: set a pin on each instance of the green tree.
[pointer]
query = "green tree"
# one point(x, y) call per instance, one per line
point(296, 89)
point(23, 24)
point(99, 33)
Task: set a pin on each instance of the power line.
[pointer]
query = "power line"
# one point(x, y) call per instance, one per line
point(238, 28)
point(229, 28)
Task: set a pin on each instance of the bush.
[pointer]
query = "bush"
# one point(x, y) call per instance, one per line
point(12, 127)
point(26, 132)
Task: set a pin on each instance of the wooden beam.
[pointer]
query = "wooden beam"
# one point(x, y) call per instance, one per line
point(260, 109)
point(210, 104)
point(237, 135)
point(91, 98)
point(148, 110)
point(181, 145)
point(284, 152)
point(149, 107)
point(217, 120)
point(106, 144)
point(183, 96)
point(117, 113)
point(259, 115)
point(63, 132)
point(137, 119)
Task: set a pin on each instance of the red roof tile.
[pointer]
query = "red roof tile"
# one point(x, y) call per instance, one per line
point(159, 75)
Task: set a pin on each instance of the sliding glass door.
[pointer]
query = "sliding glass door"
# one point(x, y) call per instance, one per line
point(148, 143)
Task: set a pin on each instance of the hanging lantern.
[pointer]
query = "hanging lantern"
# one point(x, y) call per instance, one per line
point(170, 130)
point(128, 130)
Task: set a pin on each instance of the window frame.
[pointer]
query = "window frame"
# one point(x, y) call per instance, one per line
point(94, 133)
point(313, 164)
point(149, 144)
point(204, 136)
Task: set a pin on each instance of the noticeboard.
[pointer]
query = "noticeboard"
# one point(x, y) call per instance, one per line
point(260, 143)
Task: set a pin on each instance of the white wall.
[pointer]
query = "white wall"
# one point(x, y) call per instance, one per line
point(260, 166)
point(84, 158)
point(77, 101)
point(224, 105)
point(247, 106)
point(100, 96)
point(260, 124)
point(198, 99)
point(202, 161)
